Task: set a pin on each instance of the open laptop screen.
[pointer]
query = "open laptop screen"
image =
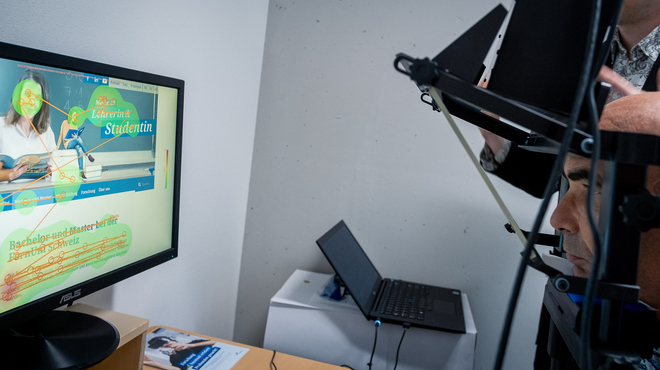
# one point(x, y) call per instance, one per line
point(352, 265)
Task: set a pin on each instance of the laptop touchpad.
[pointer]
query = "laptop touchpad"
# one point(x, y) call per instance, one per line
point(444, 307)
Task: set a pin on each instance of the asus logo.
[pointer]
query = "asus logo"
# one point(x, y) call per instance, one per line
point(69, 296)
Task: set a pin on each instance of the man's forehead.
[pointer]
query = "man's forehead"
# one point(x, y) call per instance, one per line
point(578, 168)
point(576, 161)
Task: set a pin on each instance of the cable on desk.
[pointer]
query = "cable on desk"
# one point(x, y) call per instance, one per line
point(406, 326)
point(377, 323)
point(272, 361)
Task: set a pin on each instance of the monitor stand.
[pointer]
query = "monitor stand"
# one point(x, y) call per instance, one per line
point(58, 340)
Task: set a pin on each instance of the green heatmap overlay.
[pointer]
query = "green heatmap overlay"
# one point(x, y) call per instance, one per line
point(27, 201)
point(74, 117)
point(23, 94)
point(47, 257)
point(67, 184)
point(107, 108)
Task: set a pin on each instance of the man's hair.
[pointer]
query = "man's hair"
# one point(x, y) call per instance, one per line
point(41, 120)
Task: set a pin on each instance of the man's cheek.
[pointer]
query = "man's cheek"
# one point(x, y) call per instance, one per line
point(579, 272)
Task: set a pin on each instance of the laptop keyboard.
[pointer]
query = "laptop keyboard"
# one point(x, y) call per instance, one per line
point(404, 300)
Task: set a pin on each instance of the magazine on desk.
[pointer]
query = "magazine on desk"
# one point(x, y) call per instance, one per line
point(169, 349)
point(37, 164)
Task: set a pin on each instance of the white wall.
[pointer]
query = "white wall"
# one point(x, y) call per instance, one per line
point(217, 48)
point(341, 135)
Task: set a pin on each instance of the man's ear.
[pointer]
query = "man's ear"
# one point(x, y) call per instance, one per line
point(653, 180)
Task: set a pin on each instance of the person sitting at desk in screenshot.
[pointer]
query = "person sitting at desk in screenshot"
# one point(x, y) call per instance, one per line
point(634, 60)
point(74, 141)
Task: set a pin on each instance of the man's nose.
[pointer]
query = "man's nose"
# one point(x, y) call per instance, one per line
point(565, 216)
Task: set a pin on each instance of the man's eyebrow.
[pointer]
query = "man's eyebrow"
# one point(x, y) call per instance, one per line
point(581, 174)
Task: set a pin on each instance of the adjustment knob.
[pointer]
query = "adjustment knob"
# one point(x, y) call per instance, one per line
point(641, 210)
point(424, 71)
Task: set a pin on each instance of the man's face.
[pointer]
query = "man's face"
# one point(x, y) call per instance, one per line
point(635, 11)
point(570, 216)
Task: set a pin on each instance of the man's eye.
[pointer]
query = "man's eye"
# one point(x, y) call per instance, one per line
point(586, 186)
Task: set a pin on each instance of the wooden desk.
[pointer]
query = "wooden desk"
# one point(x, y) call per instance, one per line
point(132, 333)
point(259, 358)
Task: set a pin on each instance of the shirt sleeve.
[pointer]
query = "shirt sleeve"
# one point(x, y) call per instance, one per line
point(490, 161)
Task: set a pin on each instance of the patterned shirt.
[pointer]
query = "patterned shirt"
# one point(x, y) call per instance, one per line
point(644, 54)
point(651, 363)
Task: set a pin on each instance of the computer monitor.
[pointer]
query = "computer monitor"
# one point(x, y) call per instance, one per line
point(93, 152)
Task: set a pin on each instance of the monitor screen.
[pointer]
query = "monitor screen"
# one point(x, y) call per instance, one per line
point(89, 186)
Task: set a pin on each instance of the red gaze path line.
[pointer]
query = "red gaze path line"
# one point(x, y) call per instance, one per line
point(14, 287)
point(21, 103)
point(28, 93)
point(16, 283)
point(11, 280)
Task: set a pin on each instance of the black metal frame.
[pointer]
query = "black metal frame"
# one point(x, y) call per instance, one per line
point(626, 207)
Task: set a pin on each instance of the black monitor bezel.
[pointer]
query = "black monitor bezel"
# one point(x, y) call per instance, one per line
point(53, 301)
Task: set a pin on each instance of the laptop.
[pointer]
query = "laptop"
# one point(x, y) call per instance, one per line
point(389, 300)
